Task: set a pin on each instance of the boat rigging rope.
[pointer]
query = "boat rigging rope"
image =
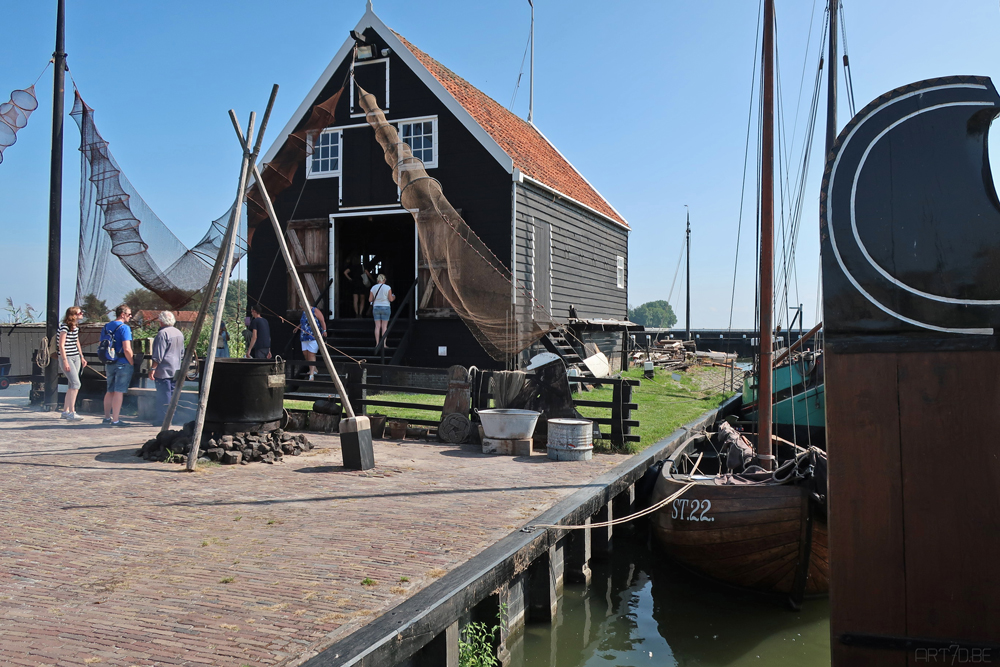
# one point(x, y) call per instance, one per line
point(625, 519)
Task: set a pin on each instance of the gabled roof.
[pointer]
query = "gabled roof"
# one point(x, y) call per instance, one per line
point(513, 142)
point(530, 151)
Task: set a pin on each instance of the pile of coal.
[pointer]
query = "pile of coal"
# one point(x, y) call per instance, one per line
point(241, 448)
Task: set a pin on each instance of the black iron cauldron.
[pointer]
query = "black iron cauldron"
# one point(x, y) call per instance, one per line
point(246, 395)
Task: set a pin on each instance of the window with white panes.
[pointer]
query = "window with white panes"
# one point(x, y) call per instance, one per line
point(621, 272)
point(421, 137)
point(325, 158)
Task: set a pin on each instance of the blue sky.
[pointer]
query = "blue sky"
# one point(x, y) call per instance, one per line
point(649, 100)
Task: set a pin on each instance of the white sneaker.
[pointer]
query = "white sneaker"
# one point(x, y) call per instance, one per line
point(73, 417)
point(65, 415)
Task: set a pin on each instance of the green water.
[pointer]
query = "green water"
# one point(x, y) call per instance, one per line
point(639, 610)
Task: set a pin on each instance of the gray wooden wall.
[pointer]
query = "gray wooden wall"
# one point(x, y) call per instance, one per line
point(567, 255)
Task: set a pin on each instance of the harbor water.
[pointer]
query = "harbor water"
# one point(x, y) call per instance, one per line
point(640, 610)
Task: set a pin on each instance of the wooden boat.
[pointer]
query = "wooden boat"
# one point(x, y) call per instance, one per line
point(745, 530)
point(723, 511)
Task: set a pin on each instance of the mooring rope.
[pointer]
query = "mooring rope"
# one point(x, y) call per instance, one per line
point(44, 354)
point(614, 522)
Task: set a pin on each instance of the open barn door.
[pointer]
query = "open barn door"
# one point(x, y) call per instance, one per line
point(308, 241)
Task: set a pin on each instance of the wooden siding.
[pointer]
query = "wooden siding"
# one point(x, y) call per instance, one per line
point(583, 252)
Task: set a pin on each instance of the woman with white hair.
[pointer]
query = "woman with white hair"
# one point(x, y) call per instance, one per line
point(168, 350)
point(380, 297)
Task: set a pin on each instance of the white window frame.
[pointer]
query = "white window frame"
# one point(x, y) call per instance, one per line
point(340, 155)
point(362, 63)
point(620, 271)
point(434, 135)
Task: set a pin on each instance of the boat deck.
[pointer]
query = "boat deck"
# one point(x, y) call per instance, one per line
point(109, 559)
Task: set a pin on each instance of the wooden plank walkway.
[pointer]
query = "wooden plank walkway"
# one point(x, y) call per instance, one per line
point(108, 559)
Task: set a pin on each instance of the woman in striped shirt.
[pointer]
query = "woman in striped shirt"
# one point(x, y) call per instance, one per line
point(71, 362)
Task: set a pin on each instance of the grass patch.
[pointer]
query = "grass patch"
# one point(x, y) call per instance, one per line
point(664, 403)
point(368, 582)
point(227, 580)
point(436, 402)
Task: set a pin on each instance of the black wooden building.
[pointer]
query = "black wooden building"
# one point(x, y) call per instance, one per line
point(535, 211)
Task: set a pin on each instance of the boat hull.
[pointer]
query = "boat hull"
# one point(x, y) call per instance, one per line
point(751, 536)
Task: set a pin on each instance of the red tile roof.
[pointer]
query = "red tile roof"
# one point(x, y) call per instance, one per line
point(179, 315)
point(530, 151)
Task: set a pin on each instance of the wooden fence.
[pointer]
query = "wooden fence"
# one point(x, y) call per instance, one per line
point(618, 424)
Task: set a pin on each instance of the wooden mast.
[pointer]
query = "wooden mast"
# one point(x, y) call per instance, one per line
point(766, 243)
point(51, 400)
point(687, 299)
point(831, 84)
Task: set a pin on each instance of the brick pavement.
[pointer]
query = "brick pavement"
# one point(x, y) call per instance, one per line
point(108, 559)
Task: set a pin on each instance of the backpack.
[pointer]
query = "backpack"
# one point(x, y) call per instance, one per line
point(106, 349)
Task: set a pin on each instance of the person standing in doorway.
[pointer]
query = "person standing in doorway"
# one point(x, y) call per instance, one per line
point(310, 342)
point(260, 336)
point(119, 372)
point(356, 273)
point(168, 350)
point(380, 297)
point(71, 362)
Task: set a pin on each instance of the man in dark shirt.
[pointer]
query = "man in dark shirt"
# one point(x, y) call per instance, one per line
point(260, 336)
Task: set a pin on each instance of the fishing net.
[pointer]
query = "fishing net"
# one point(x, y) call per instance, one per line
point(279, 172)
point(473, 281)
point(123, 244)
point(14, 116)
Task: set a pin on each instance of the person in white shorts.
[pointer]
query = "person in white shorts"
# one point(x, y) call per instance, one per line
point(310, 346)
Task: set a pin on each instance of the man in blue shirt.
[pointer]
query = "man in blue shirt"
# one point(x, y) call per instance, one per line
point(119, 373)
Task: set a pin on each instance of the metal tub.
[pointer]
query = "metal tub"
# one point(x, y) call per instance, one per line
point(507, 423)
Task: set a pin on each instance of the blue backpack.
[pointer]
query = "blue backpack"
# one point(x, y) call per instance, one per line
point(106, 349)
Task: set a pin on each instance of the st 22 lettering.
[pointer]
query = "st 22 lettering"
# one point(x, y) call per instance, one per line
point(686, 509)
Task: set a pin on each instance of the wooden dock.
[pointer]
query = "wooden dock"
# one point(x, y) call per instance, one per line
point(108, 557)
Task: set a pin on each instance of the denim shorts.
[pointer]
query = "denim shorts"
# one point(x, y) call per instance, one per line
point(119, 375)
point(381, 313)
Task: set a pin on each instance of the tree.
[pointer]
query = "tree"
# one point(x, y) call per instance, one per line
point(94, 309)
point(143, 299)
point(657, 314)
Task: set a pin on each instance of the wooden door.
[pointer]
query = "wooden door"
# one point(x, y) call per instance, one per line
point(309, 243)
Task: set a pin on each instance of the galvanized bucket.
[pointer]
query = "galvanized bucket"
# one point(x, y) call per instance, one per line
point(571, 432)
point(570, 440)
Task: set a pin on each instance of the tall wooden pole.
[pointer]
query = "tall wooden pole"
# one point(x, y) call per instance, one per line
point(531, 75)
point(55, 204)
point(831, 85)
point(229, 250)
point(687, 314)
point(766, 243)
point(290, 263)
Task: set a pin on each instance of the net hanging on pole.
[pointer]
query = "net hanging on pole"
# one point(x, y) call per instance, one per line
point(473, 281)
point(123, 244)
point(14, 116)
